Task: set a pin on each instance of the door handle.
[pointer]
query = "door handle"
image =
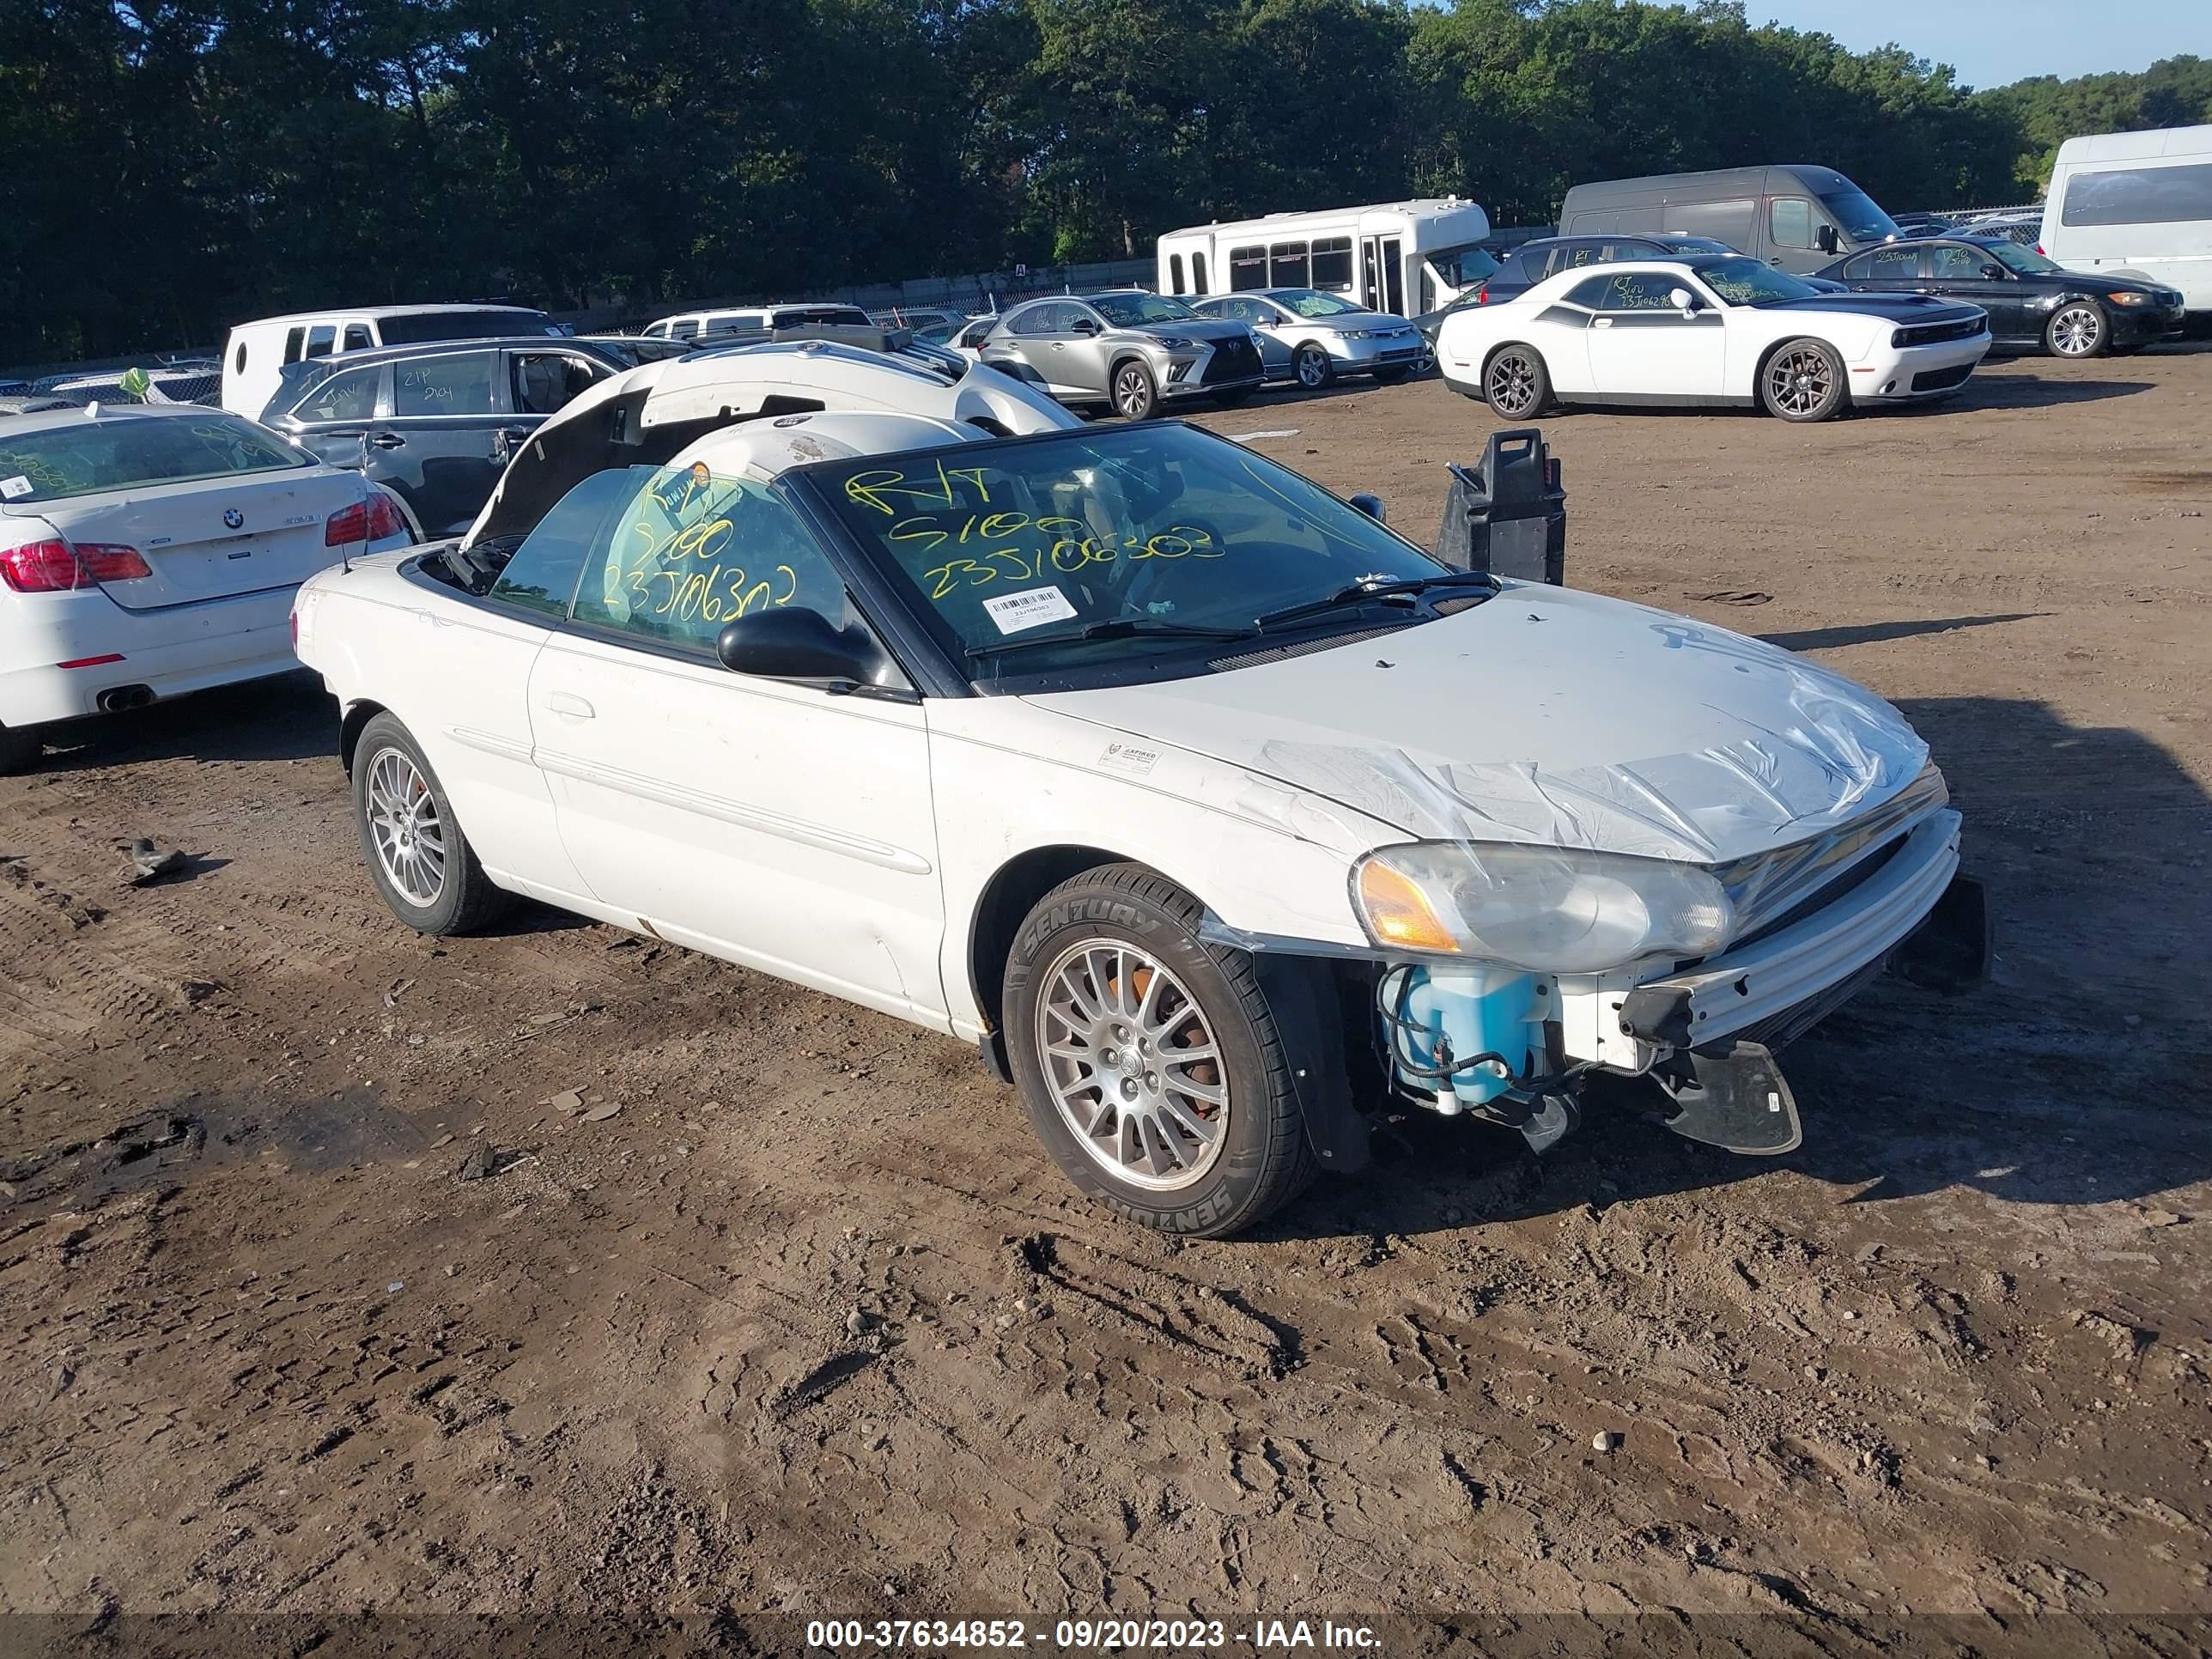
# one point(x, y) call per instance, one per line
point(1600, 322)
point(505, 438)
point(389, 440)
point(568, 703)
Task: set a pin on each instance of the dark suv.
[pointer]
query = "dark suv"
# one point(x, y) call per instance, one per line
point(434, 423)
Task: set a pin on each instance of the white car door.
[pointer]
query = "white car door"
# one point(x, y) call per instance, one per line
point(1641, 345)
point(775, 824)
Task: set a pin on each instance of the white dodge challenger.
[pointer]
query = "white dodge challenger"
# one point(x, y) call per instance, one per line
point(1216, 813)
point(1716, 329)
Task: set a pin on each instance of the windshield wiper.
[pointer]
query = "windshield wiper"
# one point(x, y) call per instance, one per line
point(1359, 592)
point(1114, 628)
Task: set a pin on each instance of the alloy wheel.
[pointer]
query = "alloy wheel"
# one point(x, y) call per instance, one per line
point(1131, 393)
point(1313, 369)
point(2076, 330)
point(404, 822)
point(1132, 1065)
point(1800, 381)
point(1511, 384)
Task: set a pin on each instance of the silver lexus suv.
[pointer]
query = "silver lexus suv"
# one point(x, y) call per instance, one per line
point(1311, 338)
point(1131, 350)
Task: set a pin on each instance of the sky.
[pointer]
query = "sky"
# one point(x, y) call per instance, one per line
point(1991, 42)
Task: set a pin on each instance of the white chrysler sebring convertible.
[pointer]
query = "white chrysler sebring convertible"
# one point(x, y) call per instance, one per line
point(1713, 328)
point(1219, 815)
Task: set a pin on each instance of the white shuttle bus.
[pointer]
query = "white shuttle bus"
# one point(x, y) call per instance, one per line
point(2136, 205)
point(1404, 258)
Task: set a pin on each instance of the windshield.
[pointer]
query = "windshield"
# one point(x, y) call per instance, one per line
point(1149, 529)
point(1311, 302)
point(423, 327)
point(1858, 217)
point(1746, 282)
point(86, 457)
point(1137, 310)
point(1464, 266)
point(2025, 260)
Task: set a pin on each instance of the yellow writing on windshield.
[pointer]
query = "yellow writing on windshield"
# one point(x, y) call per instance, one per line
point(878, 488)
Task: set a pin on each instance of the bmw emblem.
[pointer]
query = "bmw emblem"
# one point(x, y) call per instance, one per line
point(233, 517)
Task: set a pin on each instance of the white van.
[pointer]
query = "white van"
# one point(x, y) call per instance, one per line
point(1403, 258)
point(697, 325)
point(256, 353)
point(2136, 205)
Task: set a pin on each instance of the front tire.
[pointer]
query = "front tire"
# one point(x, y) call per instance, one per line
point(1803, 382)
point(1136, 395)
point(1148, 1060)
point(1312, 369)
point(420, 863)
point(2077, 330)
point(1514, 382)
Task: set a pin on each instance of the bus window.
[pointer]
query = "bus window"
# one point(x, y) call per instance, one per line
point(1286, 265)
point(1174, 273)
point(1332, 265)
point(1198, 274)
point(1248, 268)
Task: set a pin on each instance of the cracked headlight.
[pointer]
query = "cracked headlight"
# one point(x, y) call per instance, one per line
point(1548, 909)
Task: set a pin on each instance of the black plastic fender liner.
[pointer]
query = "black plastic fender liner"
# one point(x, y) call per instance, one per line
point(1301, 993)
point(1950, 950)
point(1737, 1099)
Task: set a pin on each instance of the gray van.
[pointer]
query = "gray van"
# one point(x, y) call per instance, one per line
point(1792, 215)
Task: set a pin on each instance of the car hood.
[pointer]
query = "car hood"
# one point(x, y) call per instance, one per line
point(1544, 716)
point(1898, 307)
point(2096, 282)
point(1343, 319)
point(1196, 328)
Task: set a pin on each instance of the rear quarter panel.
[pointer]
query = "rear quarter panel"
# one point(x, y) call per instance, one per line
point(457, 676)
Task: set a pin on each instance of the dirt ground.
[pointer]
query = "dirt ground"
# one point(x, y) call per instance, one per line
point(811, 1328)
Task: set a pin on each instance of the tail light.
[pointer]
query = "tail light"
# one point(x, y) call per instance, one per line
point(371, 521)
point(1482, 295)
point(55, 567)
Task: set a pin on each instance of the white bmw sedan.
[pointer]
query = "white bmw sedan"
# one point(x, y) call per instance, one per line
point(149, 550)
point(1718, 329)
point(1219, 816)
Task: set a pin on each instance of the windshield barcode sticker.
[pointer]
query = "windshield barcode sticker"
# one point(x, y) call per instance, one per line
point(1014, 612)
point(18, 485)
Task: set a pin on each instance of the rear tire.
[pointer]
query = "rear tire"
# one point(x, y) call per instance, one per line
point(420, 863)
point(1136, 395)
point(1514, 382)
point(1803, 382)
point(1107, 980)
point(2078, 329)
point(19, 750)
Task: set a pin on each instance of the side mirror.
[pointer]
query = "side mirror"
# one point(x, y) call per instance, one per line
point(1825, 238)
point(1682, 299)
point(1371, 506)
point(789, 643)
point(1084, 325)
point(1263, 322)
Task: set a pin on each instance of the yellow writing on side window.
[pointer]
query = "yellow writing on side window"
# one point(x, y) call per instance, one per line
point(666, 555)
